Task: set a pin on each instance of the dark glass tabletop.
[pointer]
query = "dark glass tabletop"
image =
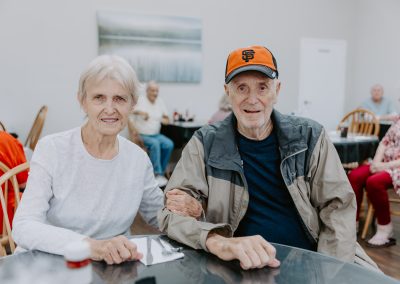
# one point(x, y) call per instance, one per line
point(297, 266)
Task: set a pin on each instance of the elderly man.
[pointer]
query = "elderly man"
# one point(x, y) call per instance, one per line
point(262, 177)
point(378, 104)
point(150, 113)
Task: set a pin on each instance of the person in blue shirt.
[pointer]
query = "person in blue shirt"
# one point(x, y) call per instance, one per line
point(382, 107)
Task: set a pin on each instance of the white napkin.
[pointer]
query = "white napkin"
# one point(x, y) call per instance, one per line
point(156, 251)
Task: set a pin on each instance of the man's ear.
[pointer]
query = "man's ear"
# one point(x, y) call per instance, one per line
point(278, 87)
point(226, 89)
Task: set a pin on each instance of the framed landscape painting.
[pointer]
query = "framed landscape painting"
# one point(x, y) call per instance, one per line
point(160, 48)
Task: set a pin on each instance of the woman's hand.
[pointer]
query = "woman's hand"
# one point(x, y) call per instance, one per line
point(183, 204)
point(378, 167)
point(113, 251)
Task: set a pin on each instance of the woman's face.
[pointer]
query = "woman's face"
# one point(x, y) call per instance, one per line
point(107, 105)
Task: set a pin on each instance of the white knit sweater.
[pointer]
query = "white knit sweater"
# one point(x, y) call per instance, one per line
point(71, 195)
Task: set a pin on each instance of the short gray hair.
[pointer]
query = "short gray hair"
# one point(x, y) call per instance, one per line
point(109, 67)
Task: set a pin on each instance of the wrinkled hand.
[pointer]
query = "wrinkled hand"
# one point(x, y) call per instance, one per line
point(377, 167)
point(183, 204)
point(113, 251)
point(165, 120)
point(252, 252)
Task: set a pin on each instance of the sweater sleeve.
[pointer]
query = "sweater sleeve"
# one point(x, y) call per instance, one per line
point(30, 228)
point(153, 198)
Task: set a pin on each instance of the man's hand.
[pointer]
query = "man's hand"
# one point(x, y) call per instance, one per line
point(113, 251)
point(183, 204)
point(165, 119)
point(145, 115)
point(252, 252)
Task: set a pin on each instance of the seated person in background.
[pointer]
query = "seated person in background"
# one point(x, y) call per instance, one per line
point(88, 183)
point(11, 155)
point(377, 177)
point(382, 107)
point(262, 177)
point(224, 109)
point(150, 112)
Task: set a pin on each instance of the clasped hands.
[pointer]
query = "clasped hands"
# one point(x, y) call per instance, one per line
point(376, 167)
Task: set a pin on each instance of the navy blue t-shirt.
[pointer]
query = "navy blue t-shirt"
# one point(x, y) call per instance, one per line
point(271, 212)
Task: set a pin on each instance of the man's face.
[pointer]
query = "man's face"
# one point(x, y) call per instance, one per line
point(377, 93)
point(152, 93)
point(252, 95)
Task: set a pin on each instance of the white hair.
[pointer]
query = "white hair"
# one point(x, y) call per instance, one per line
point(109, 67)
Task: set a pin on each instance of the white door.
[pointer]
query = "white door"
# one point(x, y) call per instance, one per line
point(322, 80)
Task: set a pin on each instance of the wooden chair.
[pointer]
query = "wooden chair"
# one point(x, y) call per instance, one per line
point(134, 135)
point(9, 175)
point(370, 215)
point(2, 127)
point(36, 130)
point(361, 122)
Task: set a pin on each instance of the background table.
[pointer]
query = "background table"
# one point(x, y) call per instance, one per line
point(180, 132)
point(383, 128)
point(354, 148)
point(297, 266)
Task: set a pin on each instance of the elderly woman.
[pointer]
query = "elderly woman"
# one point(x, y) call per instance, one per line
point(377, 177)
point(88, 183)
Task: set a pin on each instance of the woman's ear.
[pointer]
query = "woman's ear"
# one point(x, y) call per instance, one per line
point(82, 102)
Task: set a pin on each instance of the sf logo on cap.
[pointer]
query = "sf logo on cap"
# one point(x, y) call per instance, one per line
point(247, 54)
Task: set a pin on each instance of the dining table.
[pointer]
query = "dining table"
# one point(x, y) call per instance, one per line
point(354, 148)
point(180, 132)
point(197, 266)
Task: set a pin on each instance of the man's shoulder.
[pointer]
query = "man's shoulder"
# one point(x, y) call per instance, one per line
point(387, 100)
point(298, 121)
point(210, 130)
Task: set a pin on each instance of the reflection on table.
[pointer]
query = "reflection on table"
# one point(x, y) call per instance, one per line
point(180, 132)
point(297, 266)
point(354, 148)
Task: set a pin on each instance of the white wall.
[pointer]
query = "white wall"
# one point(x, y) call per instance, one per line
point(377, 59)
point(45, 44)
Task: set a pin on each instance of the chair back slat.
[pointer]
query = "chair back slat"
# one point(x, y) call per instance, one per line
point(362, 122)
point(2, 127)
point(36, 129)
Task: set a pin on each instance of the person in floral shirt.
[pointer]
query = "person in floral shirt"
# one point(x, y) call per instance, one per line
point(382, 173)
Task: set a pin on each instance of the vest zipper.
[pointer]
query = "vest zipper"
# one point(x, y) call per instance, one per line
point(308, 231)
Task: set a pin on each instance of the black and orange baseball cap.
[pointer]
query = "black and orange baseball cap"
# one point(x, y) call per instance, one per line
point(252, 58)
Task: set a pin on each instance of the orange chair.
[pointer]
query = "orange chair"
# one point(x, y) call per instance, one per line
point(36, 130)
point(9, 175)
